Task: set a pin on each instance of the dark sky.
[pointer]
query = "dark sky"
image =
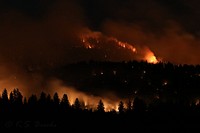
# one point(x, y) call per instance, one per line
point(42, 34)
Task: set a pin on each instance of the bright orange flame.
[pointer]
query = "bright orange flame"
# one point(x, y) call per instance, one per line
point(150, 57)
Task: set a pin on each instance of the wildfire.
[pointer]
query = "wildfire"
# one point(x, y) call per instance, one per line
point(88, 101)
point(87, 44)
point(124, 45)
point(150, 57)
point(92, 40)
point(89, 39)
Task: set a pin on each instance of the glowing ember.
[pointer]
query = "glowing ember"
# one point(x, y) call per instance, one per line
point(124, 45)
point(87, 44)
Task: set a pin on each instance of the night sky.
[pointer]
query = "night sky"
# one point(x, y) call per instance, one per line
point(37, 35)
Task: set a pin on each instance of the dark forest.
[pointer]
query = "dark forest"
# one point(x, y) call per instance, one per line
point(166, 98)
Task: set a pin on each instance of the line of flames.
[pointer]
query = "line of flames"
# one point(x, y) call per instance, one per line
point(86, 38)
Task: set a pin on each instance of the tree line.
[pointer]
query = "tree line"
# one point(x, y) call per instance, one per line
point(14, 101)
point(45, 102)
point(135, 111)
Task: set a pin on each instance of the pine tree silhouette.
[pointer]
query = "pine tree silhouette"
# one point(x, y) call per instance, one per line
point(56, 99)
point(4, 101)
point(4, 96)
point(32, 100)
point(49, 102)
point(129, 105)
point(121, 107)
point(17, 97)
point(77, 105)
point(100, 106)
point(42, 99)
point(65, 102)
point(33, 103)
point(25, 101)
point(12, 100)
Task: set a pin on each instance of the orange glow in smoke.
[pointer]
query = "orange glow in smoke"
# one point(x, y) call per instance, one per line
point(89, 101)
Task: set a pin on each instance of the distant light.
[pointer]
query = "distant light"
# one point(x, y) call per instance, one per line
point(114, 72)
point(165, 83)
point(135, 92)
point(101, 73)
